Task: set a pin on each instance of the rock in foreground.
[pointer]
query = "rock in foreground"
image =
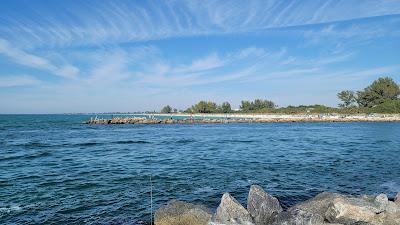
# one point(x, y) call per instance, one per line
point(262, 207)
point(182, 213)
point(231, 212)
point(298, 217)
point(362, 210)
point(332, 208)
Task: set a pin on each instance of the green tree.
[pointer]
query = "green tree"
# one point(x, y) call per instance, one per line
point(246, 106)
point(347, 97)
point(212, 107)
point(257, 105)
point(166, 109)
point(204, 107)
point(389, 106)
point(260, 104)
point(226, 107)
point(381, 90)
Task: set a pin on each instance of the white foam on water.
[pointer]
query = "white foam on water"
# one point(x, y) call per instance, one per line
point(206, 189)
point(10, 209)
point(392, 186)
point(241, 183)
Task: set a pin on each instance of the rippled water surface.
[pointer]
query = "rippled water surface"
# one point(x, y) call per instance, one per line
point(55, 170)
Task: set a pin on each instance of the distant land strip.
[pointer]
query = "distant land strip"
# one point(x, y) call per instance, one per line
point(241, 118)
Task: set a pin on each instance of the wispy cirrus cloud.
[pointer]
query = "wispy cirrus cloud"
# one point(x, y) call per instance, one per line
point(212, 61)
point(209, 69)
point(68, 24)
point(116, 67)
point(111, 70)
point(30, 60)
point(353, 34)
point(18, 81)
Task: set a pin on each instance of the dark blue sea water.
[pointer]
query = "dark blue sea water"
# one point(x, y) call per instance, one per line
point(55, 170)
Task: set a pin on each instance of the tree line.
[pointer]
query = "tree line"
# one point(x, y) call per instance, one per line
point(211, 107)
point(381, 96)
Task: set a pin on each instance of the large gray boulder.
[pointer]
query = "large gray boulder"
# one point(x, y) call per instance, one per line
point(231, 212)
point(297, 216)
point(182, 213)
point(318, 205)
point(397, 198)
point(393, 208)
point(262, 207)
point(363, 210)
point(332, 208)
point(351, 211)
point(381, 201)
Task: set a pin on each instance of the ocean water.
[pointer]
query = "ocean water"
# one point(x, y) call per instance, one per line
point(56, 170)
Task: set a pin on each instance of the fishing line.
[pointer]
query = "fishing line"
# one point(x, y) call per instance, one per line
point(151, 188)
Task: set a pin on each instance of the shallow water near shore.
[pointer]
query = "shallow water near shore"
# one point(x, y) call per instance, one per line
point(56, 170)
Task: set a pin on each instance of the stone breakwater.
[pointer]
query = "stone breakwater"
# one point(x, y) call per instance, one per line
point(264, 209)
point(245, 119)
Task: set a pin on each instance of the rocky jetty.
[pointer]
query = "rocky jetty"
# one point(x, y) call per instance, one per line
point(242, 119)
point(129, 120)
point(264, 209)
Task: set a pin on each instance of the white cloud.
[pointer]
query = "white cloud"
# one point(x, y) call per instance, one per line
point(352, 34)
point(18, 81)
point(109, 22)
point(110, 70)
point(351, 75)
point(209, 62)
point(23, 58)
point(245, 65)
point(209, 69)
point(251, 51)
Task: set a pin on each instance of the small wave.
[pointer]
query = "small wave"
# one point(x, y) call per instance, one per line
point(131, 142)
point(391, 186)
point(125, 179)
point(180, 141)
point(27, 178)
point(33, 145)
point(382, 141)
point(83, 186)
point(236, 141)
point(285, 139)
point(206, 189)
point(10, 209)
point(32, 156)
point(89, 144)
point(4, 183)
point(40, 154)
point(11, 157)
point(71, 210)
point(185, 141)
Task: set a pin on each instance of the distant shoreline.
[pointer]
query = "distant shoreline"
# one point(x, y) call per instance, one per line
point(239, 118)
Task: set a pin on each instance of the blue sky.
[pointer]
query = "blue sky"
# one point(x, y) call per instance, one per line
point(107, 56)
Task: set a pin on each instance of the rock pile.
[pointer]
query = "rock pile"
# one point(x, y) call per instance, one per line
point(264, 209)
point(181, 213)
point(129, 120)
point(205, 120)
